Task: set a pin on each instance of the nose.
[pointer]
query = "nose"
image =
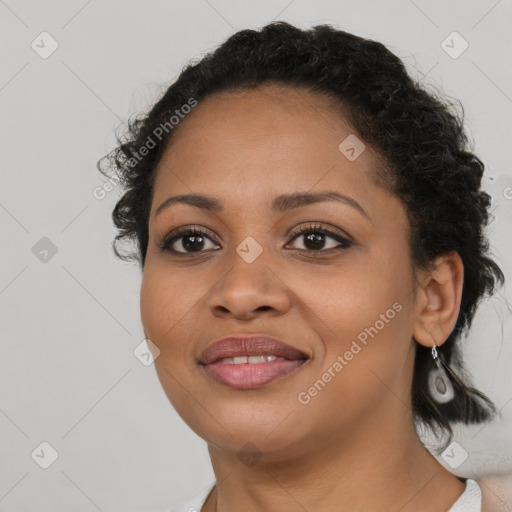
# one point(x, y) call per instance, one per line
point(247, 290)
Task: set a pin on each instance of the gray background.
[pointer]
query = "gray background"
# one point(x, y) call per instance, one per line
point(70, 324)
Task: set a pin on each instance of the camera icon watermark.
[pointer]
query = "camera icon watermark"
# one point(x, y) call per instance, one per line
point(249, 249)
point(44, 455)
point(146, 352)
point(455, 455)
point(454, 45)
point(351, 147)
point(44, 249)
point(249, 454)
point(44, 45)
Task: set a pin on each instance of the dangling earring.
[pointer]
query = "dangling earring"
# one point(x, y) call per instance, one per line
point(439, 384)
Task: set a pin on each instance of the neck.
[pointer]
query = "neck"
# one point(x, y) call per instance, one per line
point(377, 467)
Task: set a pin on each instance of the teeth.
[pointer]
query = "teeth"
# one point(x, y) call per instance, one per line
point(256, 359)
point(250, 359)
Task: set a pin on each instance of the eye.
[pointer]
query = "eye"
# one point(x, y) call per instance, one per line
point(314, 238)
point(189, 240)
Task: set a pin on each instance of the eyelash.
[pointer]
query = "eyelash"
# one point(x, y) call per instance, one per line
point(183, 232)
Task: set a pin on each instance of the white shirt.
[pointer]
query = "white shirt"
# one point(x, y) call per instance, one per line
point(469, 501)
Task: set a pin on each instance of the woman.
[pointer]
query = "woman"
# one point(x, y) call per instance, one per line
point(310, 227)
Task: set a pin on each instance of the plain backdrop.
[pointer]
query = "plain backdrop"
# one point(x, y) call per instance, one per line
point(69, 309)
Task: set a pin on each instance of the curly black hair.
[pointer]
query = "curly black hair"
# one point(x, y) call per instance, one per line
point(418, 134)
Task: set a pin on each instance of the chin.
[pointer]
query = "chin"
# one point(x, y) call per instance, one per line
point(231, 428)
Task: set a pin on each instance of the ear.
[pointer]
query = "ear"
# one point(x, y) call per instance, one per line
point(438, 300)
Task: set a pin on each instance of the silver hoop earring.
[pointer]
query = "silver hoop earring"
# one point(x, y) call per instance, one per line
point(440, 387)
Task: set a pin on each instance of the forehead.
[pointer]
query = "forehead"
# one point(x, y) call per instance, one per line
point(261, 115)
point(268, 140)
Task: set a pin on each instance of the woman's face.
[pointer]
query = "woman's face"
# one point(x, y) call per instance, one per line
point(345, 300)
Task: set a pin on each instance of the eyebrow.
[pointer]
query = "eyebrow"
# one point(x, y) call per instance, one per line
point(280, 204)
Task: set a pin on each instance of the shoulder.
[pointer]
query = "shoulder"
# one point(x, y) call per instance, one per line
point(194, 503)
point(470, 500)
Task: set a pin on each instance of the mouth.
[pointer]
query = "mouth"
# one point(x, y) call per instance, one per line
point(250, 362)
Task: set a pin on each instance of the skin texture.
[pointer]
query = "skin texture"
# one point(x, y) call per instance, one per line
point(354, 445)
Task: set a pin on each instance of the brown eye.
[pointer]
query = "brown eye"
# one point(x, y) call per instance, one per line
point(317, 238)
point(188, 241)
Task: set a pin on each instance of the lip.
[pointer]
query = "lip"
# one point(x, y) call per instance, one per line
point(246, 376)
point(249, 346)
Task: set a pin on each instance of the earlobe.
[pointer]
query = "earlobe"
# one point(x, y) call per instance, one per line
point(438, 299)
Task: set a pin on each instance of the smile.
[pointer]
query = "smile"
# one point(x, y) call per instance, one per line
point(249, 362)
point(251, 372)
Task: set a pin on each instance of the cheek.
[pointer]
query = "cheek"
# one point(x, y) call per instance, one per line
point(173, 309)
point(168, 321)
point(165, 312)
point(366, 312)
point(349, 299)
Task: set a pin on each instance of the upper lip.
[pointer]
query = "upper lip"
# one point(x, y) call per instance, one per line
point(239, 345)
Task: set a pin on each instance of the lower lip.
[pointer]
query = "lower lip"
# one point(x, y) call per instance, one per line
point(251, 375)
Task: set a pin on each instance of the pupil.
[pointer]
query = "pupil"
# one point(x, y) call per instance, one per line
point(316, 240)
point(196, 242)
